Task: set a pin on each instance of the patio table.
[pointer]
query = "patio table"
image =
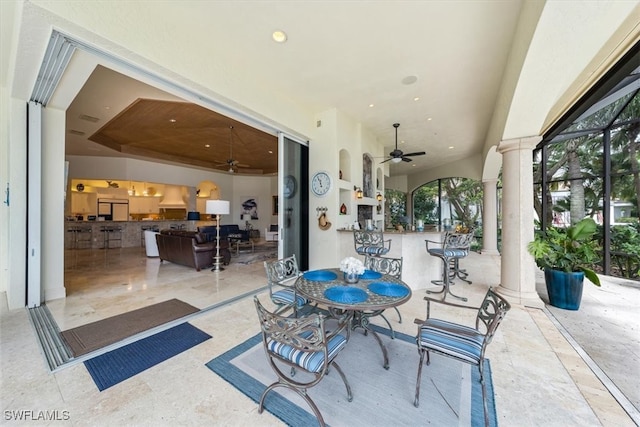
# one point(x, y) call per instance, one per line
point(370, 296)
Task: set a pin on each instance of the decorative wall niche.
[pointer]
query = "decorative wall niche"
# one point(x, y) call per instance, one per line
point(345, 165)
point(367, 176)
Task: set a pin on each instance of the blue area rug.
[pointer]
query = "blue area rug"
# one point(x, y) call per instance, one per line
point(450, 392)
point(117, 365)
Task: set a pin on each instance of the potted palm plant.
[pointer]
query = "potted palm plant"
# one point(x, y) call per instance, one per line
point(566, 257)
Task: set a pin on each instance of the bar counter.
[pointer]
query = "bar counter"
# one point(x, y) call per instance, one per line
point(90, 234)
point(418, 267)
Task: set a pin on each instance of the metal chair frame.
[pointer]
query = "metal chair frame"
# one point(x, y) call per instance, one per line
point(390, 266)
point(489, 315)
point(282, 274)
point(452, 247)
point(302, 335)
point(365, 239)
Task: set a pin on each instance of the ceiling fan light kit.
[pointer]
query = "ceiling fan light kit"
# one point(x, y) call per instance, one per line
point(231, 163)
point(397, 156)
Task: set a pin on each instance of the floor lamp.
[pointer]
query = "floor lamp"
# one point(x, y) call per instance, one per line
point(217, 208)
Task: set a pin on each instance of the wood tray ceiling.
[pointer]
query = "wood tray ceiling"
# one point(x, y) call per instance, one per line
point(179, 132)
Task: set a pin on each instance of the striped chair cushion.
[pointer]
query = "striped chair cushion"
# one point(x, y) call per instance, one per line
point(449, 253)
point(311, 361)
point(372, 250)
point(286, 296)
point(452, 339)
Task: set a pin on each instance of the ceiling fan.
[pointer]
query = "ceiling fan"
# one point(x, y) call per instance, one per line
point(398, 156)
point(231, 162)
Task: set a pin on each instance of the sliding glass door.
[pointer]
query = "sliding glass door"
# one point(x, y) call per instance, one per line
point(293, 195)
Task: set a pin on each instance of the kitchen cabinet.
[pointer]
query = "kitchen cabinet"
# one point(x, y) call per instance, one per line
point(83, 203)
point(144, 205)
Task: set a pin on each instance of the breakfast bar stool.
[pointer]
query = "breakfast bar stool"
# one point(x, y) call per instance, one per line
point(83, 237)
point(111, 233)
point(145, 228)
point(80, 235)
point(454, 246)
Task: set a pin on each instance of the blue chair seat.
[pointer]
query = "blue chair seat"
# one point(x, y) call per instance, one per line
point(449, 253)
point(312, 361)
point(287, 296)
point(372, 250)
point(459, 341)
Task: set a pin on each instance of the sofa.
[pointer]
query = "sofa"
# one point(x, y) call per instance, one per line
point(227, 231)
point(189, 248)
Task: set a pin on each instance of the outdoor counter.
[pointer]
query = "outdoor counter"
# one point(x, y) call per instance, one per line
point(418, 267)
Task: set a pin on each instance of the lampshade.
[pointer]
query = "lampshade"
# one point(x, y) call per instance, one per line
point(396, 160)
point(246, 217)
point(217, 207)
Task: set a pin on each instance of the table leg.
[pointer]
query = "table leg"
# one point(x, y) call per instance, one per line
point(361, 320)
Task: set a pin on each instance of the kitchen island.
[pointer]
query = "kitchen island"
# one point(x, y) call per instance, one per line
point(91, 234)
point(418, 267)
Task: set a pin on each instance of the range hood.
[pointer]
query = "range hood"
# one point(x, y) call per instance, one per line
point(172, 198)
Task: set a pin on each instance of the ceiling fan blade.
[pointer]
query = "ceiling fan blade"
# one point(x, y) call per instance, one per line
point(406, 159)
point(384, 161)
point(417, 153)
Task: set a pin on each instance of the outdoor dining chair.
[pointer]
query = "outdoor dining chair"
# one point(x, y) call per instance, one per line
point(281, 276)
point(390, 266)
point(370, 242)
point(302, 344)
point(460, 342)
point(453, 247)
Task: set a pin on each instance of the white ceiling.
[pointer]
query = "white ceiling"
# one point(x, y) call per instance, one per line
point(348, 55)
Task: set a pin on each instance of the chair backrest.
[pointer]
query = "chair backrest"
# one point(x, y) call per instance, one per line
point(457, 240)
point(302, 333)
point(384, 265)
point(491, 312)
point(368, 238)
point(282, 271)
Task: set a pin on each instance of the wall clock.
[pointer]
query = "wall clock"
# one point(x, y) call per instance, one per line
point(290, 186)
point(321, 183)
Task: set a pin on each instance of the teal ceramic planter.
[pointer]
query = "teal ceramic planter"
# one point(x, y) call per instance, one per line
point(564, 289)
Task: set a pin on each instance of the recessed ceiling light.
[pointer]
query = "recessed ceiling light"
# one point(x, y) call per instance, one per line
point(206, 146)
point(409, 80)
point(451, 147)
point(417, 98)
point(371, 105)
point(279, 36)
point(429, 119)
point(402, 141)
point(172, 120)
point(106, 107)
point(270, 152)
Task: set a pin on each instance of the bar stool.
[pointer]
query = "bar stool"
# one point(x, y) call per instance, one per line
point(453, 247)
point(111, 233)
point(71, 241)
point(145, 228)
point(83, 237)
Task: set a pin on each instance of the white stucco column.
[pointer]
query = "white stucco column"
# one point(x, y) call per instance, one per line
point(489, 217)
point(517, 276)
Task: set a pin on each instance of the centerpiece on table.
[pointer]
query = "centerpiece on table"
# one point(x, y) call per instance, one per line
point(352, 268)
